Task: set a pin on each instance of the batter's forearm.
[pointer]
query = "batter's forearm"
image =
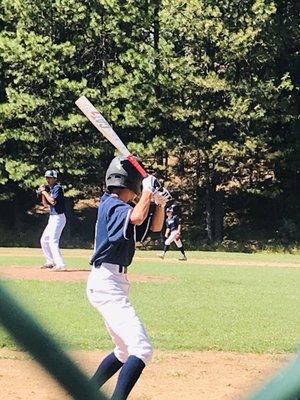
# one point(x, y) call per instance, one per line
point(141, 210)
point(44, 201)
point(49, 198)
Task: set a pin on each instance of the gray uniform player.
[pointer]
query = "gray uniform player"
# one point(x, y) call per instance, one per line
point(118, 225)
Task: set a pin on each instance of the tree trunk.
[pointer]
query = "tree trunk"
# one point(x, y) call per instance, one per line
point(166, 164)
point(209, 213)
point(18, 211)
point(17, 215)
point(67, 233)
point(156, 36)
point(219, 216)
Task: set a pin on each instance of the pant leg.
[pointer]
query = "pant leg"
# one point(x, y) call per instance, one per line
point(56, 226)
point(108, 291)
point(171, 238)
point(178, 243)
point(45, 245)
point(120, 350)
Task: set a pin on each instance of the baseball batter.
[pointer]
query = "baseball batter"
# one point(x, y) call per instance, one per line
point(173, 234)
point(118, 226)
point(53, 196)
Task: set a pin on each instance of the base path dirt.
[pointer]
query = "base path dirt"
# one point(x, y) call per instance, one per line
point(203, 375)
point(70, 275)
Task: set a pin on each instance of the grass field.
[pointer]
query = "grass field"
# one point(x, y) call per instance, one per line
point(221, 301)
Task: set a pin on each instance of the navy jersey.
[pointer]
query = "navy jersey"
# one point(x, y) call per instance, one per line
point(56, 191)
point(115, 235)
point(173, 222)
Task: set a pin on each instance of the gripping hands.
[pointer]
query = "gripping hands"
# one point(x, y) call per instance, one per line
point(42, 188)
point(160, 194)
point(161, 197)
point(150, 184)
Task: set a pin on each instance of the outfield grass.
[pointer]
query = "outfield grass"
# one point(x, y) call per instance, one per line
point(223, 307)
point(77, 258)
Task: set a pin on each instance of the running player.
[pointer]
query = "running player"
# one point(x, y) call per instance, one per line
point(118, 225)
point(53, 196)
point(173, 234)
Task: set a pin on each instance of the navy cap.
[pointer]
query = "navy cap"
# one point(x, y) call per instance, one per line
point(51, 173)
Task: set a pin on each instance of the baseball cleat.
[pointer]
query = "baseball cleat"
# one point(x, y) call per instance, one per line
point(47, 266)
point(59, 269)
point(162, 256)
point(182, 258)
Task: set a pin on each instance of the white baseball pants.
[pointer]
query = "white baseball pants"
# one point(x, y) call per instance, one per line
point(171, 238)
point(107, 291)
point(50, 240)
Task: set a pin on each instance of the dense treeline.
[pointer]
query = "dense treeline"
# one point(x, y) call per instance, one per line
point(205, 91)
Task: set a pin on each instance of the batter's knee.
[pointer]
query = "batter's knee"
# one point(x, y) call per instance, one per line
point(43, 241)
point(145, 353)
point(121, 353)
point(53, 244)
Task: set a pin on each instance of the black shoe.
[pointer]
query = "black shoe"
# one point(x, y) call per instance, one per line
point(47, 266)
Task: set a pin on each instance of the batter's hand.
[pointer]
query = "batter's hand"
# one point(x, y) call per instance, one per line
point(161, 197)
point(150, 184)
point(40, 189)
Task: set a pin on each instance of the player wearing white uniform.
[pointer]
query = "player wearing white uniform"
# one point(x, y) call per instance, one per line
point(118, 225)
point(173, 234)
point(53, 196)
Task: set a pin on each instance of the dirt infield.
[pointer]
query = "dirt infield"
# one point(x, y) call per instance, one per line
point(70, 275)
point(171, 376)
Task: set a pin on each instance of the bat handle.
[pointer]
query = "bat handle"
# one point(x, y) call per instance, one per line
point(137, 165)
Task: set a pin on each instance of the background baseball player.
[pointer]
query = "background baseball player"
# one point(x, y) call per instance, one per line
point(173, 234)
point(53, 196)
point(118, 225)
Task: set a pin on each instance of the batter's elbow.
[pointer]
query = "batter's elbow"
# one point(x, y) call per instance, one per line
point(137, 220)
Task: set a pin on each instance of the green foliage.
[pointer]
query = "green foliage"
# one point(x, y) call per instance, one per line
point(204, 91)
point(42, 79)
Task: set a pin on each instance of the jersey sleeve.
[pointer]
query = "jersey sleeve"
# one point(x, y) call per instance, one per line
point(57, 192)
point(119, 226)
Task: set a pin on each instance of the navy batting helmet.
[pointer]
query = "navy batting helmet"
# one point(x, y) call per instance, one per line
point(122, 174)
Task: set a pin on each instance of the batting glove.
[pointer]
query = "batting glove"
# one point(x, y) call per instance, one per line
point(150, 184)
point(161, 197)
